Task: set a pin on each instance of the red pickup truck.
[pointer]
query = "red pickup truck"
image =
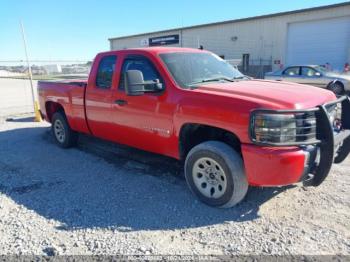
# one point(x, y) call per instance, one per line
point(231, 131)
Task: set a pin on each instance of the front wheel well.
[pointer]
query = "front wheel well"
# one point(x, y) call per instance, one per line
point(51, 108)
point(193, 134)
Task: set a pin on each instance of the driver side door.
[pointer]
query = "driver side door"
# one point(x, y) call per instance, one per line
point(144, 121)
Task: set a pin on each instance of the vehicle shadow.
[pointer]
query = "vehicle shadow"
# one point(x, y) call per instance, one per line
point(104, 185)
point(20, 120)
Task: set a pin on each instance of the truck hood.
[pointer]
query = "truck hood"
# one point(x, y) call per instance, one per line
point(272, 94)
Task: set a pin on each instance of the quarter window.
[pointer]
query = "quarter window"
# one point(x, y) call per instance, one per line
point(292, 71)
point(105, 72)
point(142, 64)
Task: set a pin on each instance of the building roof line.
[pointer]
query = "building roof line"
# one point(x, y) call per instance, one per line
point(237, 20)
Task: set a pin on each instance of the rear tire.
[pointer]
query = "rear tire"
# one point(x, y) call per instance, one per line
point(337, 88)
point(64, 136)
point(215, 174)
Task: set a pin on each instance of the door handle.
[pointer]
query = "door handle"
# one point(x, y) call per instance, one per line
point(120, 102)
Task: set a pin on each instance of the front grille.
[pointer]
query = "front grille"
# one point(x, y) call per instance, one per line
point(306, 127)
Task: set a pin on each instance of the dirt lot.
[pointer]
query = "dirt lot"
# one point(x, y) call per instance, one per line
point(101, 198)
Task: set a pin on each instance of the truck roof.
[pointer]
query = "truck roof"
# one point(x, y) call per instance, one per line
point(157, 50)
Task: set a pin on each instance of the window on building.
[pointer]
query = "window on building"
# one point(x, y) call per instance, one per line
point(105, 72)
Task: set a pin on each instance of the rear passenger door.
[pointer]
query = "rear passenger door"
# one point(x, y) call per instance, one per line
point(99, 97)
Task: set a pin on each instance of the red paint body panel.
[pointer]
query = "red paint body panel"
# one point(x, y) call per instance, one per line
point(153, 122)
point(273, 166)
point(70, 97)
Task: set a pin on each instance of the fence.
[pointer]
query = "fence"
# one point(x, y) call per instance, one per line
point(15, 88)
point(254, 67)
point(45, 69)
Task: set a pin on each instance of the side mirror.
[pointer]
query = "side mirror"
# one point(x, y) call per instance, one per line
point(318, 74)
point(135, 85)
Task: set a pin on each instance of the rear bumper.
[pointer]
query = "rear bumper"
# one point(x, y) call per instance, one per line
point(311, 164)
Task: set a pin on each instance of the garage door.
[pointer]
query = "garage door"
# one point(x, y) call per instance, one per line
point(319, 42)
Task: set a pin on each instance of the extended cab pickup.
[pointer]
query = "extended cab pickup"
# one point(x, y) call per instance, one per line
point(231, 131)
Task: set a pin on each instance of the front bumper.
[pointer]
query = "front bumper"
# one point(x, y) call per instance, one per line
point(309, 163)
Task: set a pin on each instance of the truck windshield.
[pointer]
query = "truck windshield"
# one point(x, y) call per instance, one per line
point(190, 69)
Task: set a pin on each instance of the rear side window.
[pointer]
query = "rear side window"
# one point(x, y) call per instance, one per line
point(105, 72)
point(292, 71)
point(142, 64)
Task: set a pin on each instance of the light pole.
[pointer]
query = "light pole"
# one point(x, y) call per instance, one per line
point(37, 117)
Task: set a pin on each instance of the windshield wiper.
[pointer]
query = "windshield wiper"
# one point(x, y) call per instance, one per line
point(212, 80)
point(241, 77)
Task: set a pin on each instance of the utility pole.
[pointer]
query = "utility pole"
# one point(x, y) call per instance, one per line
point(37, 117)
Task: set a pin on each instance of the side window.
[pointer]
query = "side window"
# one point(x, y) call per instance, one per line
point(308, 71)
point(105, 72)
point(291, 71)
point(142, 64)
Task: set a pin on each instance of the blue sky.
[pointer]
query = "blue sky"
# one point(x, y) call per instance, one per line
point(77, 29)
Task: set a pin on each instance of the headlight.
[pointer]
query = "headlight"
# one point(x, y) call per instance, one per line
point(283, 128)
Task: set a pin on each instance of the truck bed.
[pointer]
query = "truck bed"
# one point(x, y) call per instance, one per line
point(68, 93)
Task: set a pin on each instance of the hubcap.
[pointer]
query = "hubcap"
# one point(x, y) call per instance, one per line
point(209, 177)
point(59, 131)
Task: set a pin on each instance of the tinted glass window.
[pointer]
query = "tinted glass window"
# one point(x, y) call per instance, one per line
point(142, 64)
point(291, 71)
point(308, 71)
point(105, 72)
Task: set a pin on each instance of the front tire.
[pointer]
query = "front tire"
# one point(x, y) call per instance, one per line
point(215, 174)
point(64, 136)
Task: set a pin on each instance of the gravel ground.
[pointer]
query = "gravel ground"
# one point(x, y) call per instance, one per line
point(101, 198)
point(15, 96)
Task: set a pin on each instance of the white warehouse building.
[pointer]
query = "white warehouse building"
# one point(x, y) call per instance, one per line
point(316, 35)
